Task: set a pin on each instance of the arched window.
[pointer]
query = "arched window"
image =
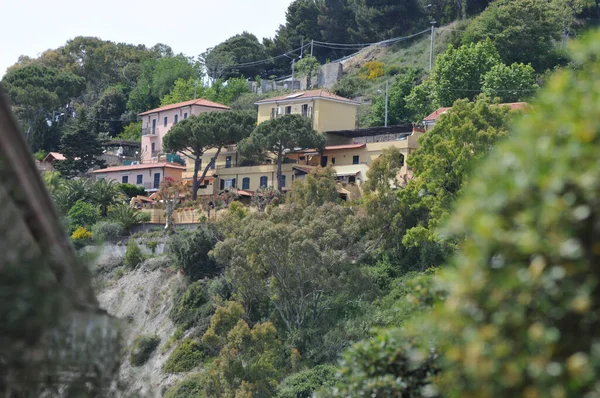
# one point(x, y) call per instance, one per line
point(246, 183)
point(264, 181)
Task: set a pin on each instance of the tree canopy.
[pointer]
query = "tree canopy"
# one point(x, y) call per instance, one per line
point(282, 134)
point(210, 130)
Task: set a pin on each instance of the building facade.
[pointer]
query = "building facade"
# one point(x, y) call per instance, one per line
point(147, 175)
point(157, 122)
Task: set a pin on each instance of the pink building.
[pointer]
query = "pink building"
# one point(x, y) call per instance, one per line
point(157, 122)
point(147, 175)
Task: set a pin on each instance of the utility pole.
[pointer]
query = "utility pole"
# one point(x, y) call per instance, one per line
point(293, 73)
point(387, 85)
point(302, 47)
point(431, 46)
point(312, 42)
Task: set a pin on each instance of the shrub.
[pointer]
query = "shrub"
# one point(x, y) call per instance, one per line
point(132, 190)
point(127, 216)
point(523, 311)
point(350, 87)
point(185, 357)
point(133, 255)
point(372, 70)
point(82, 214)
point(192, 307)
point(393, 70)
point(189, 251)
point(191, 386)
point(81, 236)
point(303, 384)
point(143, 347)
point(152, 245)
point(224, 319)
point(107, 231)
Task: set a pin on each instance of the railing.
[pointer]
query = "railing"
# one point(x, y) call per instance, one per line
point(149, 131)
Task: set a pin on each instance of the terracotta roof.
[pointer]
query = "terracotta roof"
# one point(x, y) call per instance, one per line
point(139, 167)
point(305, 169)
point(55, 155)
point(512, 105)
point(306, 95)
point(199, 102)
point(243, 192)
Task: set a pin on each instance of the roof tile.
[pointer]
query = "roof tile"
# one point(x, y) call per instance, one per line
point(306, 95)
point(199, 102)
point(139, 167)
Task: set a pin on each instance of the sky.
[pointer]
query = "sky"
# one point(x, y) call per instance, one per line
point(30, 27)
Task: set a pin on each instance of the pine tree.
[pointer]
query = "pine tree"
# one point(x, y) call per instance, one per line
point(81, 148)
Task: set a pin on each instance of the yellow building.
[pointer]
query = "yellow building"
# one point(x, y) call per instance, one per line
point(227, 158)
point(328, 112)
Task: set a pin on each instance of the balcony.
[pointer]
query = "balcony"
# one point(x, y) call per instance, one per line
point(150, 131)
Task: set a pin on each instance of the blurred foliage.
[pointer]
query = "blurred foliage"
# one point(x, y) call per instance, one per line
point(306, 382)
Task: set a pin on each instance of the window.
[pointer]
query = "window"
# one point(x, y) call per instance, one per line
point(352, 179)
point(153, 126)
point(153, 147)
point(246, 183)
point(228, 162)
point(139, 179)
point(166, 120)
point(264, 181)
point(175, 119)
point(355, 159)
point(125, 179)
point(156, 184)
point(282, 180)
point(305, 110)
point(229, 183)
point(273, 113)
point(288, 110)
point(212, 163)
point(332, 160)
point(185, 115)
point(234, 183)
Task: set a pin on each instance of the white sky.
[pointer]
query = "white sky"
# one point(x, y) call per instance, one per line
point(29, 27)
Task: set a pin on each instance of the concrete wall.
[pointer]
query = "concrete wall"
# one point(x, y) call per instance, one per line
point(329, 74)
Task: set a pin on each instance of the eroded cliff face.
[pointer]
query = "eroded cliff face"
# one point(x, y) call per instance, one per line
point(141, 299)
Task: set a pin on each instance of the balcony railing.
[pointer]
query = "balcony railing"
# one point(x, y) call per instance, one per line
point(149, 131)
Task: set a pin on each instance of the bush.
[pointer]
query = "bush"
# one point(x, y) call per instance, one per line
point(192, 307)
point(189, 251)
point(303, 384)
point(107, 231)
point(393, 70)
point(372, 70)
point(191, 386)
point(152, 245)
point(133, 255)
point(82, 214)
point(127, 216)
point(350, 87)
point(185, 357)
point(523, 311)
point(132, 190)
point(143, 347)
point(81, 236)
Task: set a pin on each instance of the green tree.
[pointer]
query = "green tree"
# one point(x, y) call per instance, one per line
point(523, 31)
point(318, 188)
point(133, 255)
point(189, 251)
point(183, 90)
point(211, 130)
point(132, 132)
point(239, 49)
point(384, 19)
point(458, 72)
point(127, 216)
point(529, 265)
point(81, 148)
point(295, 258)
point(108, 110)
point(82, 214)
point(509, 83)
point(37, 93)
point(398, 112)
point(105, 193)
point(280, 134)
point(308, 66)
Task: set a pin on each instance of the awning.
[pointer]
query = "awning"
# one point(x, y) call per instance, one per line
point(351, 170)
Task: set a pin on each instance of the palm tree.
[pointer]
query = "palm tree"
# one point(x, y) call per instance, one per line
point(105, 193)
